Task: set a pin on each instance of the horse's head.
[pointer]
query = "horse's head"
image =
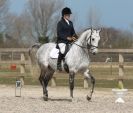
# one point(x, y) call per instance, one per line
point(93, 39)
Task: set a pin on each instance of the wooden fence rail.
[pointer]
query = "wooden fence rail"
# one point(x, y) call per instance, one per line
point(22, 62)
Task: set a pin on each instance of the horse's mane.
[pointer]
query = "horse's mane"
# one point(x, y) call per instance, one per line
point(87, 29)
point(81, 32)
point(90, 28)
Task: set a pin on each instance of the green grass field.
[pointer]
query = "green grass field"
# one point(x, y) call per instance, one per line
point(105, 78)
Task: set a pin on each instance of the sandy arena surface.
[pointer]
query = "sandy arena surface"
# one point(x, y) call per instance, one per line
point(59, 102)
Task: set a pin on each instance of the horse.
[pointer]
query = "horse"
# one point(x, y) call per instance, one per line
point(77, 60)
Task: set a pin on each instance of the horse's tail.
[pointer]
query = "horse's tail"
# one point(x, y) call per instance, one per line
point(32, 52)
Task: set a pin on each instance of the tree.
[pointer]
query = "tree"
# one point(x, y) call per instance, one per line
point(37, 22)
point(44, 16)
point(4, 4)
point(94, 18)
point(114, 38)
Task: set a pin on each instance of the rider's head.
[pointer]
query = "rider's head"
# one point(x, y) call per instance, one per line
point(66, 12)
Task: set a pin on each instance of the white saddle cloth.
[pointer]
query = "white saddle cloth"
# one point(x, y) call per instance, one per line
point(54, 53)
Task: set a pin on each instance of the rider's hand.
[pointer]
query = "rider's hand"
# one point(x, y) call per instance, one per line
point(74, 39)
point(69, 38)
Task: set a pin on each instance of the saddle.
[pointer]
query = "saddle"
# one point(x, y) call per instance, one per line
point(55, 53)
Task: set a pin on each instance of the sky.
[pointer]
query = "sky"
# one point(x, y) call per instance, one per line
point(111, 13)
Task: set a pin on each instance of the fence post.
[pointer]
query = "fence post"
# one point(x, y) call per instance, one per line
point(121, 71)
point(0, 56)
point(22, 68)
point(0, 60)
point(53, 81)
point(85, 83)
point(31, 67)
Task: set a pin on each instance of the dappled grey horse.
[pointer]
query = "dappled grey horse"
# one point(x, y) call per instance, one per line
point(77, 60)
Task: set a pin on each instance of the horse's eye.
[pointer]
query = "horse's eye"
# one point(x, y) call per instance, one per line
point(93, 39)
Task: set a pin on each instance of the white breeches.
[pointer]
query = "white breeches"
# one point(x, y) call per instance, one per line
point(62, 47)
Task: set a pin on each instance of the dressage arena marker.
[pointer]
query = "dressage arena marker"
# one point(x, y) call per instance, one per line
point(18, 87)
point(119, 95)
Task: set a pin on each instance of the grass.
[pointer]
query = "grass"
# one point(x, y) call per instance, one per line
point(100, 83)
point(104, 77)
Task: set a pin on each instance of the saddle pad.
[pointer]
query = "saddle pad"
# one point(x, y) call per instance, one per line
point(54, 53)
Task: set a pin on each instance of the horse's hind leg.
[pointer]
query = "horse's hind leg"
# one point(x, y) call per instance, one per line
point(41, 76)
point(71, 82)
point(41, 79)
point(88, 76)
point(46, 78)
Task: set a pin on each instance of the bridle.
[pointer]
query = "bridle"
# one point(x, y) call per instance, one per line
point(89, 46)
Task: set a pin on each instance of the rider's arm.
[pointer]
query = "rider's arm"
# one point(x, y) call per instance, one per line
point(60, 32)
point(73, 32)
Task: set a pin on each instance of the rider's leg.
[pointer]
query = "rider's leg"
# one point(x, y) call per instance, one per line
point(61, 55)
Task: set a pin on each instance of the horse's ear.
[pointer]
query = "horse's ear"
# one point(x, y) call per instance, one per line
point(99, 30)
point(92, 30)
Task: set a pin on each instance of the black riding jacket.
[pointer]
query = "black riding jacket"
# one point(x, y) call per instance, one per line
point(64, 30)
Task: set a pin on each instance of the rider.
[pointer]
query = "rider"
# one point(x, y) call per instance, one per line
point(65, 34)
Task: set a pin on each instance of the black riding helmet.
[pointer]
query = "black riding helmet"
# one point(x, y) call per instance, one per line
point(66, 10)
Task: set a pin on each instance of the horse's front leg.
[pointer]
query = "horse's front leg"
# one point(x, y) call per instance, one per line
point(71, 82)
point(88, 76)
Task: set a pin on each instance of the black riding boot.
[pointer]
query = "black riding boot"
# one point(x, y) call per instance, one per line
point(60, 58)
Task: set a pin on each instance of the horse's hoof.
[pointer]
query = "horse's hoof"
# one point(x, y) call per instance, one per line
point(88, 98)
point(45, 98)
